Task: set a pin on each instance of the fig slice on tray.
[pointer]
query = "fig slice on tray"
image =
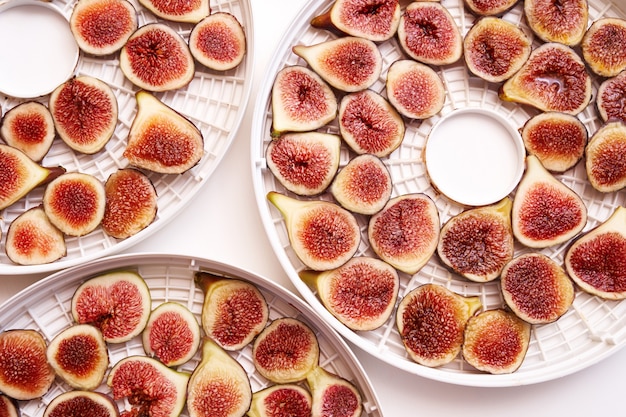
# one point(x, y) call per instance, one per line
point(187, 11)
point(414, 89)
point(333, 395)
point(611, 97)
point(604, 46)
point(9, 407)
point(79, 403)
point(281, 400)
point(558, 21)
point(29, 127)
point(489, 7)
point(218, 41)
point(605, 157)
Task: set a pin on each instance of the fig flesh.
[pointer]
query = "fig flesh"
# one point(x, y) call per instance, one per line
point(218, 41)
point(414, 89)
point(188, 11)
point(611, 98)
point(29, 127)
point(605, 160)
point(81, 403)
point(9, 407)
point(281, 400)
point(604, 46)
point(332, 395)
point(563, 21)
point(489, 7)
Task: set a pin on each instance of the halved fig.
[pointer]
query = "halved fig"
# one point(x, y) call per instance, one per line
point(557, 21)
point(361, 294)
point(161, 139)
point(496, 341)
point(9, 407)
point(33, 240)
point(79, 356)
point(219, 385)
point(281, 400)
point(151, 388)
point(286, 351)
point(477, 243)
point(429, 34)
point(85, 113)
point(415, 89)
point(305, 163)
point(604, 46)
point(405, 232)
point(554, 78)
point(118, 303)
point(81, 403)
point(156, 58)
point(74, 202)
point(431, 320)
point(332, 395)
point(172, 334)
point(605, 160)
point(368, 123)
point(489, 7)
point(363, 186)
point(494, 49)
point(218, 41)
point(102, 27)
point(25, 373)
point(611, 97)
point(189, 11)
point(322, 234)
point(596, 261)
point(348, 63)
point(557, 139)
point(233, 311)
point(29, 127)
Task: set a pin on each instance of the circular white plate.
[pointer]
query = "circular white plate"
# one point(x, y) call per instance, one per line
point(592, 328)
point(214, 101)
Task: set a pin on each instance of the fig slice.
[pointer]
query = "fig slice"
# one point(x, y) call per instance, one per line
point(219, 385)
point(322, 234)
point(414, 89)
point(596, 261)
point(332, 395)
point(218, 41)
point(545, 211)
point(477, 243)
point(605, 154)
point(611, 97)
point(79, 356)
point(368, 123)
point(563, 21)
point(405, 232)
point(361, 294)
point(431, 320)
point(348, 63)
point(29, 127)
point(604, 46)
point(9, 407)
point(496, 341)
point(33, 240)
point(74, 202)
point(161, 139)
point(80, 403)
point(187, 11)
point(554, 78)
point(102, 27)
point(489, 7)
point(118, 303)
point(172, 334)
point(84, 110)
point(305, 163)
point(286, 351)
point(25, 373)
point(281, 400)
point(156, 58)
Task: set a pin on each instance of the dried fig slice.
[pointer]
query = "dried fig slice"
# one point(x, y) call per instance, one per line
point(414, 89)
point(405, 232)
point(281, 400)
point(361, 294)
point(305, 163)
point(29, 127)
point(333, 395)
point(489, 7)
point(348, 63)
point(605, 154)
point(611, 97)
point(558, 21)
point(477, 243)
point(431, 320)
point(596, 261)
point(25, 373)
point(9, 407)
point(79, 356)
point(85, 113)
point(156, 58)
point(81, 403)
point(554, 78)
point(118, 303)
point(188, 11)
point(604, 46)
point(286, 351)
point(322, 234)
point(496, 341)
point(218, 41)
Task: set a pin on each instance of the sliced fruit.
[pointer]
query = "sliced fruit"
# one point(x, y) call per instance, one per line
point(348, 63)
point(172, 334)
point(85, 113)
point(611, 97)
point(286, 351)
point(477, 243)
point(305, 163)
point(218, 41)
point(322, 234)
point(431, 320)
point(81, 403)
point(489, 7)
point(118, 303)
point(604, 46)
point(496, 341)
point(405, 232)
point(414, 89)
point(29, 127)
point(333, 395)
point(281, 400)
point(361, 294)
point(545, 211)
point(9, 407)
point(597, 260)
point(25, 373)
point(557, 21)
point(605, 157)
point(189, 11)
point(161, 139)
point(79, 356)
point(157, 58)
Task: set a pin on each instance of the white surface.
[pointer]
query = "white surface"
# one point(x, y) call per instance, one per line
point(222, 223)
